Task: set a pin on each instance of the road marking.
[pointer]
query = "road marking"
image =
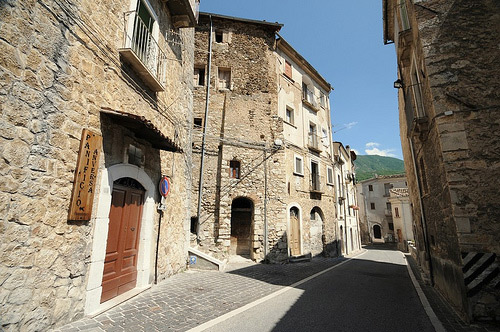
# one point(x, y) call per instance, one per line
point(250, 305)
point(425, 303)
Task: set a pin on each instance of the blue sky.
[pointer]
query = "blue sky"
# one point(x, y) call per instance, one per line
point(343, 40)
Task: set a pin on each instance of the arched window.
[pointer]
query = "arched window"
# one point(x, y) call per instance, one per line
point(234, 168)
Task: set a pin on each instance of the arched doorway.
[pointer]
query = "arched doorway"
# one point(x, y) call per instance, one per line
point(294, 231)
point(241, 226)
point(377, 232)
point(316, 230)
point(120, 263)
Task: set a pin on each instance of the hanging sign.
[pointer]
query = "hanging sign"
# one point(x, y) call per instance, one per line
point(164, 186)
point(84, 186)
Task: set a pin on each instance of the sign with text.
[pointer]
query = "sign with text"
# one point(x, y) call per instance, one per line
point(87, 165)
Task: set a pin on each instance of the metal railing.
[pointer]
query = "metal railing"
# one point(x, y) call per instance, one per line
point(140, 40)
point(314, 141)
point(316, 183)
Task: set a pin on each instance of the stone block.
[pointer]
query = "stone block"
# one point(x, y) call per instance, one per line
point(454, 141)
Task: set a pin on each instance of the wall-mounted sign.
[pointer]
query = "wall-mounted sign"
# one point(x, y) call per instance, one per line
point(164, 186)
point(87, 165)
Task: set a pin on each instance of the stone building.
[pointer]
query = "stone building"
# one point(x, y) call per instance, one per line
point(376, 211)
point(96, 106)
point(265, 191)
point(402, 219)
point(346, 202)
point(448, 69)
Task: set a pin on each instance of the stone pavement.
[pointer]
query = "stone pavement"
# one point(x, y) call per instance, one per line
point(189, 299)
point(450, 320)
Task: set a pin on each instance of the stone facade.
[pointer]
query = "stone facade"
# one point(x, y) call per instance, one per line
point(376, 210)
point(61, 71)
point(449, 131)
point(346, 202)
point(251, 146)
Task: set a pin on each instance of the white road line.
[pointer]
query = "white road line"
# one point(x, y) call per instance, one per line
point(250, 305)
point(425, 303)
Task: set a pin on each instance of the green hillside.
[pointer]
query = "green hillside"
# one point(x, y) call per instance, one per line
point(368, 166)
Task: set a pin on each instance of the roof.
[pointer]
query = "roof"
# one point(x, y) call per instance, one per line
point(299, 59)
point(143, 128)
point(276, 26)
point(399, 192)
point(381, 177)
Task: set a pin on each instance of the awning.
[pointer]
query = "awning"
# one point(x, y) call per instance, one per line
point(143, 128)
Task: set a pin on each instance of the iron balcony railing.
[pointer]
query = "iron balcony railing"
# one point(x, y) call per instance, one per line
point(148, 57)
point(316, 184)
point(313, 142)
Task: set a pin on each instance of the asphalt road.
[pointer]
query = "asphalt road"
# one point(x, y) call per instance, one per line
point(372, 292)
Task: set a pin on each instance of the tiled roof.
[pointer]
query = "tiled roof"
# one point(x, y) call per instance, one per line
point(400, 192)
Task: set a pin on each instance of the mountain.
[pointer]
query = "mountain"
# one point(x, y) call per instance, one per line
point(368, 166)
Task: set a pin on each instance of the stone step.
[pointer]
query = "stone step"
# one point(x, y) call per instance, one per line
point(303, 258)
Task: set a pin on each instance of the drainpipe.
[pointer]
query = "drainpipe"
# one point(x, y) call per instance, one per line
point(200, 185)
point(157, 247)
point(344, 203)
point(422, 217)
point(265, 205)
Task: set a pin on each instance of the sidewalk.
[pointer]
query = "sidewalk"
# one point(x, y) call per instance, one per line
point(450, 320)
point(189, 299)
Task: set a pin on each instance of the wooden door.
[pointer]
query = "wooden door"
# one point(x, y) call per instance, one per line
point(294, 234)
point(120, 264)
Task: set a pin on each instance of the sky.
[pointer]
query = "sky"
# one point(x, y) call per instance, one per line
point(343, 40)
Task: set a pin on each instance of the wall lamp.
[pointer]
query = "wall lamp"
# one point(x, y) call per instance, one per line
point(398, 84)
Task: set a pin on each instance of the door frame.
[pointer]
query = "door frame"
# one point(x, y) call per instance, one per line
point(289, 225)
point(100, 234)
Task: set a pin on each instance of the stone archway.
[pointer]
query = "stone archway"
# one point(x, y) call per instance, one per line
point(241, 226)
point(377, 232)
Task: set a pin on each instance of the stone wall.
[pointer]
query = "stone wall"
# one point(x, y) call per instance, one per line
point(240, 126)
point(454, 146)
point(59, 67)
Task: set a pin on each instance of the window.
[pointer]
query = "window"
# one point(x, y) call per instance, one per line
point(315, 180)
point(329, 175)
point(322, 99)
point(391, 226)
point(194, 225)
point(387, 189)
point(135, 156)
point(370, 187)
point(199, 76)
point(234, 168)
point(289, 115)
point(224, 78)
point(288, 69)
point(197, 123)
point(388, 206)
point(417, 93)
point(372, 206)
point(325, 137)
point(313, 137)
point(219, 36)
point(403, 11)
point(307, 93)
point(396, 212)
point(299, 166)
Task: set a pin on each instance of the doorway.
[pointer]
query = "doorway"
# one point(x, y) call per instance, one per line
point(120, 263)
point(377, 232)
point(294, 232)
point(241, 226)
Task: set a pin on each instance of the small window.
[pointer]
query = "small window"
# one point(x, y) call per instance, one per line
point(197, 123)
point(224, 78)
point(289, 115)
point(391, 226)
point(370, 187)
point(288, 69)
point(396, 212)
point(299, 166)
point(322, 99)
point(329, 175)
point(199, 76)
point(388, 206)
point(219, 36)
point(234, 167)
point(135, 155)
point(194, 225)
point(372, 206)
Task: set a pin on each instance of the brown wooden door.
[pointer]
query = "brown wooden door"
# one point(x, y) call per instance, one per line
point(120, 264)
point(294, 235)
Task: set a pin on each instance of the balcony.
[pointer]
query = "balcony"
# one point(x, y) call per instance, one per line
point(388, 213)
point(316, 185)
point(184, 12)
point(308, 99)
point(313, 142)
point(143, 52)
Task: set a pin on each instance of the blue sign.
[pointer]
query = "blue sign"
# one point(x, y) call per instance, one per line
point(192, 260)
point(164, 186)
